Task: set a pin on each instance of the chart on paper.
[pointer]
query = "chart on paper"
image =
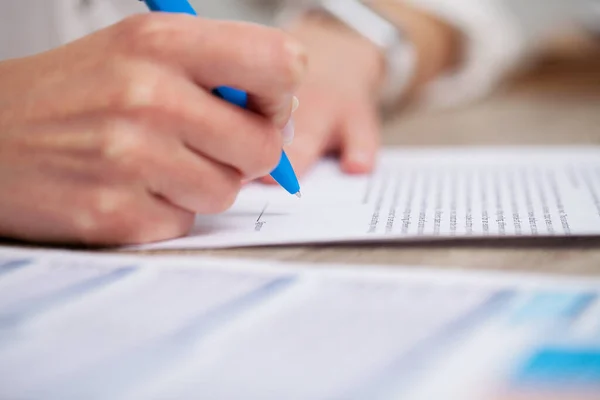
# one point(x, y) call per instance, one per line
point(79, 325)
point(420, 194)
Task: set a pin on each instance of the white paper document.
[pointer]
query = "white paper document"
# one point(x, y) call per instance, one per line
point(80, 326)
point(419, 194)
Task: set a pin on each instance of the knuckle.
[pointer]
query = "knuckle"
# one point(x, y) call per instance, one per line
point(143, 30)
point(281, 54)
point(104, 219)
point(121, 142)
point(290, 58)
point(138, 88)
point(151, 34)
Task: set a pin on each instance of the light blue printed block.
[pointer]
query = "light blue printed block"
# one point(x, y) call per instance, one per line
point(569, 368)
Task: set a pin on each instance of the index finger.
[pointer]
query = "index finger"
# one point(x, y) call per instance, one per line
point(266, 63)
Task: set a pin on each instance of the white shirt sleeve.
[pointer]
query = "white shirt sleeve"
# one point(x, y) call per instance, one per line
point(499, 36)
point(26, 27)
point(32, 26)
point(77, 18)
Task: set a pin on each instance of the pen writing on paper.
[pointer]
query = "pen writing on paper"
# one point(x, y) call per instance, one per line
point(516, 192)
point(259, 223)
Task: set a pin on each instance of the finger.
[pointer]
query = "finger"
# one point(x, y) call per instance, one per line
point(210, 126)
point(289, 130)
point(228, 134)
point(143, 151)
point(266, 63)
point(56, 197)
point(121, 216)
point(221, 131)
point(314, 126)
point(137, 150)
point(359, 140)
point(96, 215)
point(278, 110)
point(194, 183)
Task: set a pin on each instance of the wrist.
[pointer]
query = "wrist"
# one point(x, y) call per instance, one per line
point(430, 46)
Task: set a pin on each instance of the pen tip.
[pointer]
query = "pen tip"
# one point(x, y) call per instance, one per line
point(299, 195)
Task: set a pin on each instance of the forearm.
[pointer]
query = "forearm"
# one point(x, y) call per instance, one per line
point(435, 43)
point(463, 49)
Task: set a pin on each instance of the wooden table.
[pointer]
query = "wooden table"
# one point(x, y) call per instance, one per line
point(558, 103)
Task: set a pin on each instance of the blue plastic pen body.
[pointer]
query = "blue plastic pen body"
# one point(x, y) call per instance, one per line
point(284, 173)
point(171, 6)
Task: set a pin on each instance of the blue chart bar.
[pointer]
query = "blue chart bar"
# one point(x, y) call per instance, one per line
point(46, 302)
point(8, 266)
point(556, 368)
point(552, 306)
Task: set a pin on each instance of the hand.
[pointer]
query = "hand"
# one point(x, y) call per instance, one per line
point(338, 99)
point(116, 138)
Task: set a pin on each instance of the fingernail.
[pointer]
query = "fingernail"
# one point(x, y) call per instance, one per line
point(288, 132)
point(295, 103)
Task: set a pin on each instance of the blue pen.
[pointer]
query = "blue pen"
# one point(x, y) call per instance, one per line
point(284, 173)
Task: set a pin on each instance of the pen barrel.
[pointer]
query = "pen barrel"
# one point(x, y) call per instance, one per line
point(171, 6)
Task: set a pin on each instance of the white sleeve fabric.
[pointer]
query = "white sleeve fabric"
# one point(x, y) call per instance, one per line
point(81, 17)
point(500, 36)
point(77, 18)
point(26, 27)
point(32, 26)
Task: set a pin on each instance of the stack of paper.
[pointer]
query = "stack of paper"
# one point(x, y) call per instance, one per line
point(417, 194)
point(79, 326)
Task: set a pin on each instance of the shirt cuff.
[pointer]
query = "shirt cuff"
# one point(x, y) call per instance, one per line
point(493, 46)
